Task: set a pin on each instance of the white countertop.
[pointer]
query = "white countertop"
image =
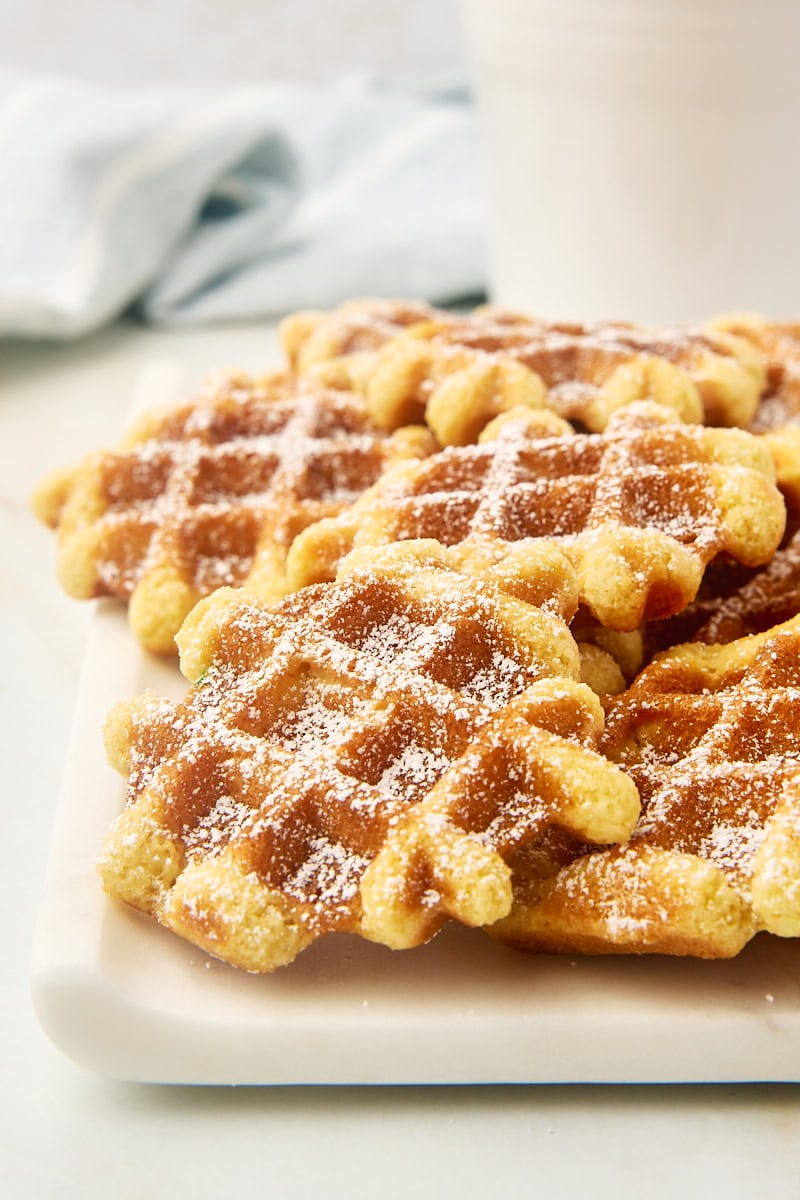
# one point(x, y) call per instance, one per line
point(66, 1132)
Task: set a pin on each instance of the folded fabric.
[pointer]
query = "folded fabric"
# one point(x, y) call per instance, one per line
point(201, 205)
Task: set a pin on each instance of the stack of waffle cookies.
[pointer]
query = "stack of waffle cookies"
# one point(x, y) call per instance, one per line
point(484, 619)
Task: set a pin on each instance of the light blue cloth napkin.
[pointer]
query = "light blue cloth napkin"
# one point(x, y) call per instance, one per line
point(207, 205)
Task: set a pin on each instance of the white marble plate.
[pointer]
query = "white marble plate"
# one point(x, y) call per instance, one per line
point(125, 998)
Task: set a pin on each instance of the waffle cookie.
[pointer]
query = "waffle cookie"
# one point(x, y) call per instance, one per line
point(769, 597)
point(732, 603)
point(777, 417)
point(339, 347)
point(211, 492)
point(458, 372)
point(779, 344)
point(639, 510)
point(709, 734)
point(363, 757)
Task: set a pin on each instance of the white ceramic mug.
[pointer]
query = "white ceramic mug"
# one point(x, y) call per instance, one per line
point(643, 156)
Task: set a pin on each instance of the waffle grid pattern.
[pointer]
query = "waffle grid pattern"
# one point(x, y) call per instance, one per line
point(363, 757)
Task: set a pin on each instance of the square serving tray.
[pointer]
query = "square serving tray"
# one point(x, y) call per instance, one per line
point(126, 998)
point(123, 997)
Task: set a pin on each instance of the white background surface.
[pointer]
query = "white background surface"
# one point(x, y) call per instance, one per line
point(197, 41)
point(68, 1133)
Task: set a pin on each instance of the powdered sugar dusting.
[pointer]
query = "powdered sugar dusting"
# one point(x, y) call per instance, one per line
point(714, 793)
point(330, 875)
point(413, 772)
point(241, 467)
point(324, 724)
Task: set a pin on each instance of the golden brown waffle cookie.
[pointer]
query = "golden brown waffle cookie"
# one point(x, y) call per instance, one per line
point(709, 734)
point(777, 418)
point(362, 757)
point(639, 510)
point(733, 602)
point(779, 344)
point(722, 581)
point(770, 597)
point(784, 446)
point(339, 346)
point(460, 371)
point(211, 492)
